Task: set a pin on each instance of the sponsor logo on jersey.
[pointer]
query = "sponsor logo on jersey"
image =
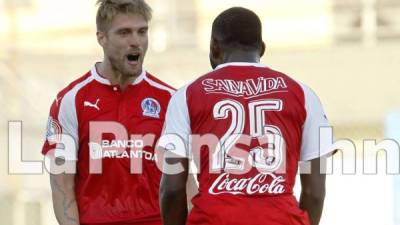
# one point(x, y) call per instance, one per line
point(224, 184)
point(151, 108)
point(109, 149)
point(122, 144)
point(247, 88)
point(114, 154)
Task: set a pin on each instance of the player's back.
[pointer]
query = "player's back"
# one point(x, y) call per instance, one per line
point(268, 109)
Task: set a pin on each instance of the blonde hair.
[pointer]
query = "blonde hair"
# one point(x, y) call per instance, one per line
point(109, 9)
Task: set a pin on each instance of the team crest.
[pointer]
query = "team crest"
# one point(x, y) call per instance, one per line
point(151, 108)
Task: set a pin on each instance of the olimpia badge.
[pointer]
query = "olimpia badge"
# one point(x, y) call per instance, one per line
point(151, 108)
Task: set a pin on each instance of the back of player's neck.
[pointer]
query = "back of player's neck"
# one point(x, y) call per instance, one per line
point(249, 57)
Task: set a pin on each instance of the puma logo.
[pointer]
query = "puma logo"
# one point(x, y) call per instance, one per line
point(89, 104)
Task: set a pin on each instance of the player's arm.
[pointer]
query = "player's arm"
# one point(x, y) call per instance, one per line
point(192, 189)
point(63, 121)
point(173, 200)
point(313, 191)
point(315, 147)
point(63, 193)
point(173, 197)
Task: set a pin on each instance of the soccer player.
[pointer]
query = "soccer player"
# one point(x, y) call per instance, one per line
point(265, 123)
point(118, 91)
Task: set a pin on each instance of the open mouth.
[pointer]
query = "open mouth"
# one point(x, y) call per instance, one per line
point(133, 57)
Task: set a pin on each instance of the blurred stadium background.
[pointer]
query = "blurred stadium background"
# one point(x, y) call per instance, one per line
point(348, 51)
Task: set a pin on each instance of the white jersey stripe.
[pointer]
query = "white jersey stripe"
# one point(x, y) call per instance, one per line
point(240, 64)
point(158, 85)
point(67, 115)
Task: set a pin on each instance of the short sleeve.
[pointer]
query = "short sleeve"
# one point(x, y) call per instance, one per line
point(62, 126)
point(314, 143)
point(177, 122)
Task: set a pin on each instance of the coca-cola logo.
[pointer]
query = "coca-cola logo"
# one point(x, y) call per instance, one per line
point(247, 186)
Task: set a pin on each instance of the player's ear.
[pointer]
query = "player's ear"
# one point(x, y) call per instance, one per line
point(215, 53)
point(262, 49)
point(101, 38)
point(215, 49)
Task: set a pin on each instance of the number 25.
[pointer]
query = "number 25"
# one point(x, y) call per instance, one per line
point(268, 158)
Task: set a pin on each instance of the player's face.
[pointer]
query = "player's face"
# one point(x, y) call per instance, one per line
point(125, 44)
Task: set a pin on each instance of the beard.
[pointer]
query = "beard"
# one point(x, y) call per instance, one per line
point(118, 67)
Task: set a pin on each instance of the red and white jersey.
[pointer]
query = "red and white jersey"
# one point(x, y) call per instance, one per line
point(280, 118)
point(115, 195)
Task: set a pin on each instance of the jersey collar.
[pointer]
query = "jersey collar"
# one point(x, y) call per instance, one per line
point(239, 64)
point(103, 80)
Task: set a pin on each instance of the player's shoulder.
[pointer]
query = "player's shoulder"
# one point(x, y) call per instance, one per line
point(66, 96)
point(264, 71)
point(277, 73)
point(76, 84)
point(292, 84)
point(197, 83)
point(158, 84)
point(307, 94)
